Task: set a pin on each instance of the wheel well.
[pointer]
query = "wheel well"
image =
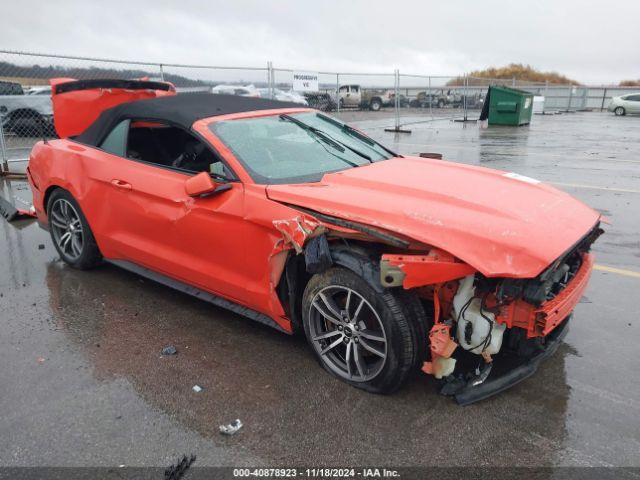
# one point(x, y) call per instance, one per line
point(361, 258)
point(47, 195)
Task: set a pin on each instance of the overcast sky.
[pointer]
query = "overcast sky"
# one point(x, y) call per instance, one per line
point(590, 41)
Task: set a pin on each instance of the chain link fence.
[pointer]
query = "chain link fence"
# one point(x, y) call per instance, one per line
point(396, 100)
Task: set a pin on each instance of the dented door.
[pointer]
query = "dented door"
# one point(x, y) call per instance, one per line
point(157, 225)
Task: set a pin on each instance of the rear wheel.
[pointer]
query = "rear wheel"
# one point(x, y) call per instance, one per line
point(360, 336)
point(70, 231)
point(375, 104)
point(619, 111)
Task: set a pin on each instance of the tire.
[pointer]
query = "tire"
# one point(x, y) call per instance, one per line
point(619, 111)
point(338, 332)
point(70, 232)
point(375, 105)
point(440, 103)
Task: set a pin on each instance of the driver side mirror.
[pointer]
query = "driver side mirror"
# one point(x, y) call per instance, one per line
point(202, 185)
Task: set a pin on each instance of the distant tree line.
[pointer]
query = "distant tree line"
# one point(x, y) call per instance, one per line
point(522, 73)
point(8, 69)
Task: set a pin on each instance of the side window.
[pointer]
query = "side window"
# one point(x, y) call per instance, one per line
point(116, 141)
point(634, 98)
point(169, 146)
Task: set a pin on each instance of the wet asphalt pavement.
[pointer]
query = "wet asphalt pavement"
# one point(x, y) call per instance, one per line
point(83, 381)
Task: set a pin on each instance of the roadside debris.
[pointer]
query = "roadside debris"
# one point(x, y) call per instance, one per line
point(232, 428)
point(11, 213)
point(175, 472)
point(197, 388)
point(169, 350)
point(41, 246)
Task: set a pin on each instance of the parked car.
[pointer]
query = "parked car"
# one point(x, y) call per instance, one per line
point(625, 104)
point(386, 263)
point(246, 91)
point(283, 96)
point(472, 100)
point(436, 99)
point(320, 101)
point(40, 90)
point(441, 98)
point(356, 96)
point(23, 114)
point(10, 88)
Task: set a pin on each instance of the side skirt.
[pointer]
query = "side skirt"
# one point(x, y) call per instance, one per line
point(196, 292)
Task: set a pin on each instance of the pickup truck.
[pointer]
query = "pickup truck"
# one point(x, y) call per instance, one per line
point(373, 99)
point(26, 114)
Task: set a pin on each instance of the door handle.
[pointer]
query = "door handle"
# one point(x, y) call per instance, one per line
point(121, 184)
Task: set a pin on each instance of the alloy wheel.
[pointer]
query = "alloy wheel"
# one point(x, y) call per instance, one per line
point(347, 333)
point(66, 227)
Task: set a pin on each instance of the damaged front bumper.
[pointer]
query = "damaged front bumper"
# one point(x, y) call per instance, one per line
point(522, 368)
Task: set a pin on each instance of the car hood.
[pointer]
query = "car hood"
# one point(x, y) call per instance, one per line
point(502, 224)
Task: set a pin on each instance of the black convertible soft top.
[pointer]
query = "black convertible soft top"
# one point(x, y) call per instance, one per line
point(180, 110)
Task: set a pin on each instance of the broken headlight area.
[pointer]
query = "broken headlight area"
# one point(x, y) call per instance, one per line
point(551, 282)
point(491, 333)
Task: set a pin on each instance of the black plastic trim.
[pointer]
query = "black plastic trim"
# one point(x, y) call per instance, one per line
point(472, 394)
point(198, 293)
point(8, 211)
point(360, 227)
point(112, 83)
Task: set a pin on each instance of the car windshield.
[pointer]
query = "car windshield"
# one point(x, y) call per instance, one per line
point(296, 148)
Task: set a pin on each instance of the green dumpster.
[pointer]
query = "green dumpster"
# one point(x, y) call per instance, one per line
point(507, 106)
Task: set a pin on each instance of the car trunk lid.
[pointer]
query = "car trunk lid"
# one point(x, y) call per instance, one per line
point(77, 103)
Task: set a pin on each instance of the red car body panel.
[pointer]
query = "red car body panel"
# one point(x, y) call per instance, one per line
point(501, 226)
point(540, 321)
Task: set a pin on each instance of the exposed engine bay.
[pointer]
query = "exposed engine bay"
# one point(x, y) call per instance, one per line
point(519, 321)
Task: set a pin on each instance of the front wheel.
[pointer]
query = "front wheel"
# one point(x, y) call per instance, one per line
point(70, 231)
point(619, 111)
point(375, 105)
point(358, 335)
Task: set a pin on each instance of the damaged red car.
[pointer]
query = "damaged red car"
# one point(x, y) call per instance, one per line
point(387, 263)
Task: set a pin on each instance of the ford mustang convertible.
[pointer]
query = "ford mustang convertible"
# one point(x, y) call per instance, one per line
point(388, 264)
